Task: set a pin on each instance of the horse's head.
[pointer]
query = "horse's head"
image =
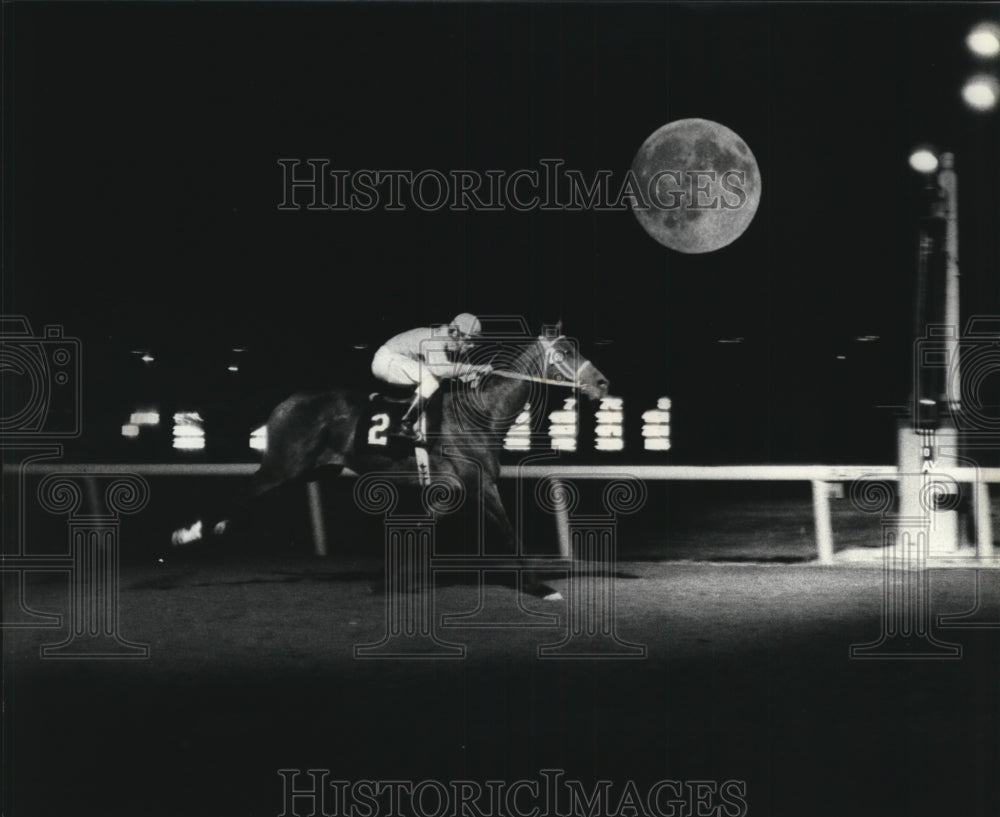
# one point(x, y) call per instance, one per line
point(549, 360)
point(563, 363)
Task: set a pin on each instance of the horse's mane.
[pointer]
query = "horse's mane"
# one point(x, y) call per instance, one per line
point(490, 388)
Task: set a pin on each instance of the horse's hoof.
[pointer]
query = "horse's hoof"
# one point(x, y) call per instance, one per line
point(555, 595)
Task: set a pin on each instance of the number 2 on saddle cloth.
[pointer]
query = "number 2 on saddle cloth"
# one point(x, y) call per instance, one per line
point(380, 421)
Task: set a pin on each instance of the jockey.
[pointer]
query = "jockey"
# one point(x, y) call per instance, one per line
point(422, 357)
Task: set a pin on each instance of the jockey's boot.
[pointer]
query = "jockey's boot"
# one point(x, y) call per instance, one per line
point(407, 429)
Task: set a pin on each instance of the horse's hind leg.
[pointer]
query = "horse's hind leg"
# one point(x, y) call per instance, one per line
point(298, 442)
point(219, 521)
point(496, 517)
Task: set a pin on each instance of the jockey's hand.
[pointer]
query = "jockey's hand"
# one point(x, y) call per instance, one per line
point(475, 373)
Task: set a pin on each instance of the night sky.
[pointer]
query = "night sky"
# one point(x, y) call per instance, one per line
point(143, 191)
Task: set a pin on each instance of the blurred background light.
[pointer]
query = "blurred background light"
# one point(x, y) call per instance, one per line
point(981, 92)
point(984, 40)
point(924, 160)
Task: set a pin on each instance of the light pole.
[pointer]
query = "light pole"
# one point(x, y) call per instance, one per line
point(948, 184)
point(931, 440)
point(928, 440)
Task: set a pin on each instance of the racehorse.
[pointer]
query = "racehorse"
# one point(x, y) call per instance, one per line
point(332, 430)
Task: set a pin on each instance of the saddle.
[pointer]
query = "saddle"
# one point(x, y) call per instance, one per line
point(391, 394)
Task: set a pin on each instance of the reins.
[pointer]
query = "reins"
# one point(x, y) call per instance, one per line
point(534, 379)
point(531, 378)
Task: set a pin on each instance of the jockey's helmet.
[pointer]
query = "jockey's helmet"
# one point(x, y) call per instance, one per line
point(468, 325)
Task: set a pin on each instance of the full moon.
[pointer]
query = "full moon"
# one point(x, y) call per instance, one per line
point(699, 185)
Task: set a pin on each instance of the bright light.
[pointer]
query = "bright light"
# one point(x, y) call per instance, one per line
point(519, 436)
point(923, 161)
point(610, 425)
point(656, 426)
point(145, 418)
point(188, 432)
point(562, 426)
point(517, 444)
point(984, 40)
point(233, 368)
point(189, 443)
point(981, 92)
point(147, 358)
point(130, 430)
point(258, 439)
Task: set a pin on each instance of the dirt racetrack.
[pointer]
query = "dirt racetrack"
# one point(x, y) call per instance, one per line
point(747, 678)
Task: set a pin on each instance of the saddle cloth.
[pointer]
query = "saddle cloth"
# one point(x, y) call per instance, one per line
point(380, 424)
point(381, 418)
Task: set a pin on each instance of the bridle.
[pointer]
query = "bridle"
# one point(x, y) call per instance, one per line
point(555, 359)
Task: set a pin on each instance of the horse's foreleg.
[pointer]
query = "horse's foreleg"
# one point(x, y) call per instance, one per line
point(496, 518)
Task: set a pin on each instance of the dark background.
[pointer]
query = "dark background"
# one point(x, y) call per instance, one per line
point(140, 191)
point(143, 184)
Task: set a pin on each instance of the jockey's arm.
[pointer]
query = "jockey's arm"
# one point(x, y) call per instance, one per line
point(438, 362)
point(450, 369)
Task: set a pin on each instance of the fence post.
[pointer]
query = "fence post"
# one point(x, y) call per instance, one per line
point(316, 517)
point(562, 518)
point(984, 522)
point(821, 514)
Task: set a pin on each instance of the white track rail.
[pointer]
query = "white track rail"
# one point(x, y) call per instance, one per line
point(820, 476)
